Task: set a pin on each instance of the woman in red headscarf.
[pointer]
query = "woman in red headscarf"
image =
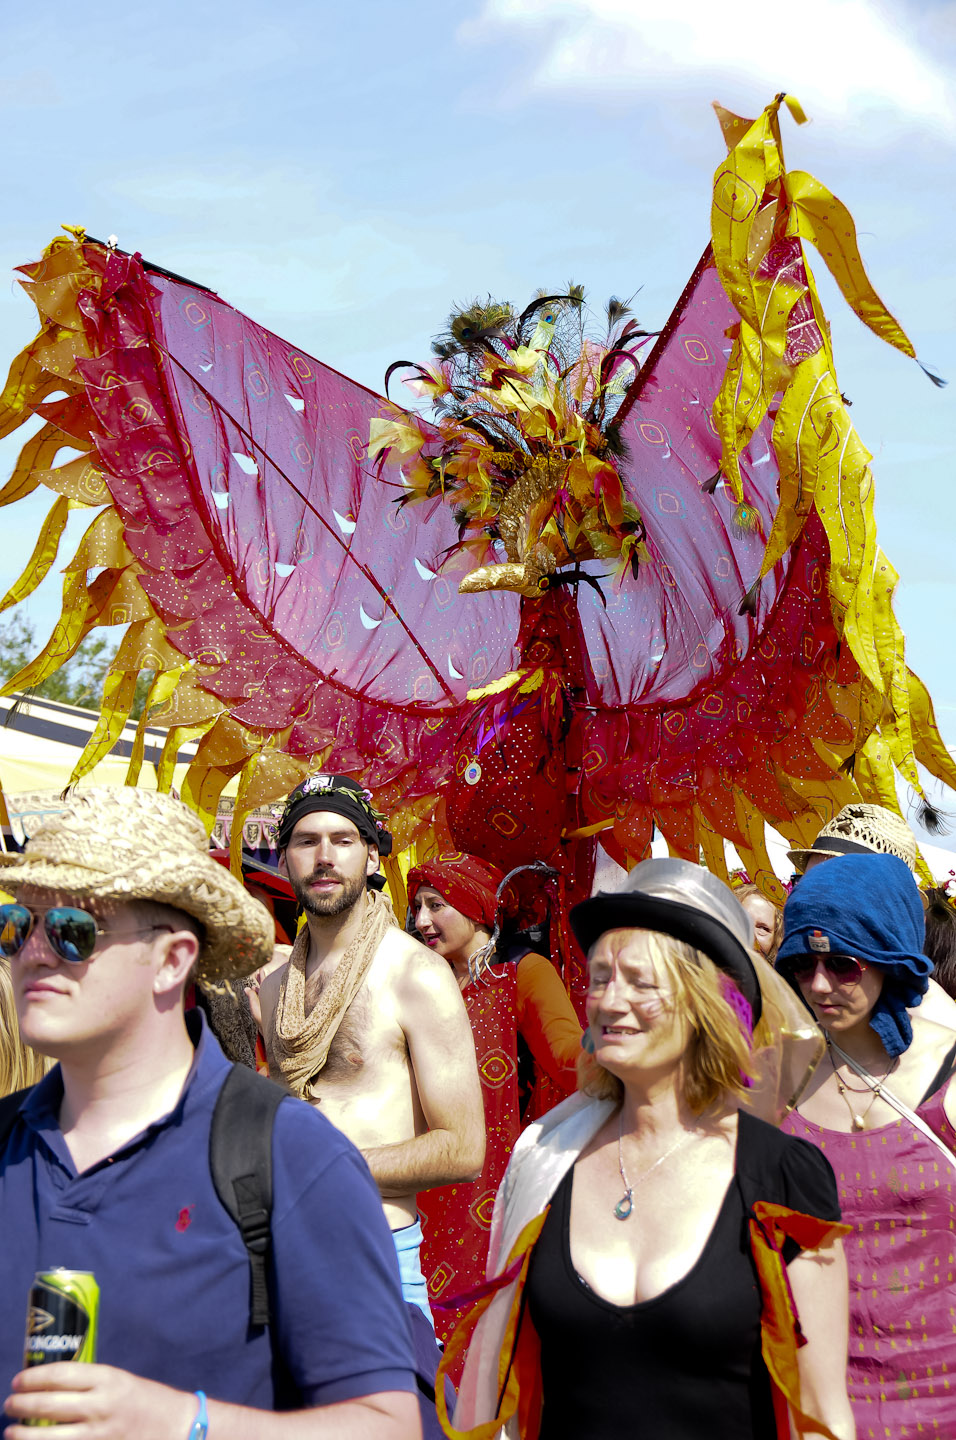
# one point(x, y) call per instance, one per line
point(453, 901)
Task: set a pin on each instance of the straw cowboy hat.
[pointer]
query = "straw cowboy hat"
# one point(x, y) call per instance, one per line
point(122, 843)
point(861, 830)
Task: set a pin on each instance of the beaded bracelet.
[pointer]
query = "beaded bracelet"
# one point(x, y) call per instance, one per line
point(200, 1427)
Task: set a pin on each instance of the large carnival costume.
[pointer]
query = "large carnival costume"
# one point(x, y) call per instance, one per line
point(640, 573)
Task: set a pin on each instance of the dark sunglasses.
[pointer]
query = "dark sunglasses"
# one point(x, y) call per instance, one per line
point(72, 932)
point(844, 969)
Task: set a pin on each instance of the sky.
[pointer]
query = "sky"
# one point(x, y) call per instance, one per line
point(346, 173)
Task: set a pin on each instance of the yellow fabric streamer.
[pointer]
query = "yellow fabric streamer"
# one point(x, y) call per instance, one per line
point(164, 683)
point(34, 463)
point(44, 554)
point(27, 384)
point(927, 741)
point(178, 735)
point(119, 689)
point(824, 220)
point(188, 704)
point(397, 888)
point(144, 647)
point(223, 751)
point(753, 853)
point(68, 633)
point(823, 465)
point(712, 847)
point(267, 773)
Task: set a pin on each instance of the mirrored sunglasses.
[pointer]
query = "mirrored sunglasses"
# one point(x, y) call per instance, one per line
point(843, 969)
point(71, 932)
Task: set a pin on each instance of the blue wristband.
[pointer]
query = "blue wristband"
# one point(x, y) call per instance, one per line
point(201, 1423)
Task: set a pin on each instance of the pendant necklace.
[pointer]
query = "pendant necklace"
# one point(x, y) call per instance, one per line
point(858, 1122)
point(625, 1205)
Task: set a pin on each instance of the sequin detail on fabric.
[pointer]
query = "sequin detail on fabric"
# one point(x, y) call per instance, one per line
point(900, 1197)
point(457, 1218)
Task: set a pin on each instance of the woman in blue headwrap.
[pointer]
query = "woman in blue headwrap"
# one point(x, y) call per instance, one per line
point(882, 1108)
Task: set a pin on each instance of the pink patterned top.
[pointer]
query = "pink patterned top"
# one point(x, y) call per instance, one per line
point(898, 1193)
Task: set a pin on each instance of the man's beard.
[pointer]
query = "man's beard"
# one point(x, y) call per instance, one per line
point(331, 905)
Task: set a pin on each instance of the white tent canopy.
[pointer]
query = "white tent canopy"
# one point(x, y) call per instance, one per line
point(41, 741)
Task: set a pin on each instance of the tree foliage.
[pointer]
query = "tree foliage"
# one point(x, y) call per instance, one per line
point(79, 681)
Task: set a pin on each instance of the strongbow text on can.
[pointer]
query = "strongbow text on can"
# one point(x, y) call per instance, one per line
point(61, 1317)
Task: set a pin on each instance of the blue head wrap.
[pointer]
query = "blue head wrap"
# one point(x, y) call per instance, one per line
point(868, 906)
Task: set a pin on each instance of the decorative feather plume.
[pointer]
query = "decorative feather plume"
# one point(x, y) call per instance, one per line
point(523, 441)
point(616, 310)
point(748, 605)
point(615, 444)
point(397, 365)
point(474, 325)
point(745, 518)
point(932, 819)
point(574, 296)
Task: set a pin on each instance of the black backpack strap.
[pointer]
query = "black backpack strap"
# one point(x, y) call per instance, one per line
point(240, 1159)
point(9, 1110)
point(942, 1075)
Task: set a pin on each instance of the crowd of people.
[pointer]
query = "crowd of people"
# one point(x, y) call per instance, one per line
point(716, 1201)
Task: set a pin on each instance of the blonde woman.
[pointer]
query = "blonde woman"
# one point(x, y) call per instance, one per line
point(767, 920)
point(662, 1262)
point(19, 1065)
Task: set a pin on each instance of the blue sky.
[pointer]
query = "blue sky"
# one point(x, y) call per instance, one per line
point(344, 173)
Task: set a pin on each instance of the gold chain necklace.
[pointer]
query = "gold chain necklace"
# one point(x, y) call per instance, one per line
point(858, 1122)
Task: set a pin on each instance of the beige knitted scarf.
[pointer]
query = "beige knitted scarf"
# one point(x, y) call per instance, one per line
point(300, 1042)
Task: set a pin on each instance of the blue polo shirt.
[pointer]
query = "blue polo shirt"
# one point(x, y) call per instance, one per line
point(171, 1266)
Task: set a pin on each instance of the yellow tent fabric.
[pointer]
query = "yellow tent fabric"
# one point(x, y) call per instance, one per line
point(30, 763)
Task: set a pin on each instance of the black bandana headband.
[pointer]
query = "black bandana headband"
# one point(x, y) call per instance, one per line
point(340, 795)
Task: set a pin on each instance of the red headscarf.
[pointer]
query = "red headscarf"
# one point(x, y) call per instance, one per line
point(467, 883)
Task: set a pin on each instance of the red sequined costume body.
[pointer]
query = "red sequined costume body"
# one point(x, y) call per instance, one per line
point(456, 1219)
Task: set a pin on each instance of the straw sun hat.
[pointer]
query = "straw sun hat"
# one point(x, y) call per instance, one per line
point(861, 829)
point(122, 843)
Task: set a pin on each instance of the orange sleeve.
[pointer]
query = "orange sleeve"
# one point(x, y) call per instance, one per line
point(547, 1020)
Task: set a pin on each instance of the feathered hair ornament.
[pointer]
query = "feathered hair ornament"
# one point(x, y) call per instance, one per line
point(523, 440)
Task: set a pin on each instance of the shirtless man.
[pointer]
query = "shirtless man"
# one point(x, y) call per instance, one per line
point(365, 1022)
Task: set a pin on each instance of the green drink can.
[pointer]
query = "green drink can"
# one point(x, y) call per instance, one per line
point(62, 1317)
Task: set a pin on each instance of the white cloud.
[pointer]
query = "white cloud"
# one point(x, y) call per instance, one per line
point(266, 233)
point(834, 55)
point(350, 276)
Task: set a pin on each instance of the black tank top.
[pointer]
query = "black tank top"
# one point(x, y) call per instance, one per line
point(686, 1364)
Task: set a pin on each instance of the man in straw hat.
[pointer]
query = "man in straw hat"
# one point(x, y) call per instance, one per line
point(859, 829)
point(107, 1166)
point(368, 1024)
